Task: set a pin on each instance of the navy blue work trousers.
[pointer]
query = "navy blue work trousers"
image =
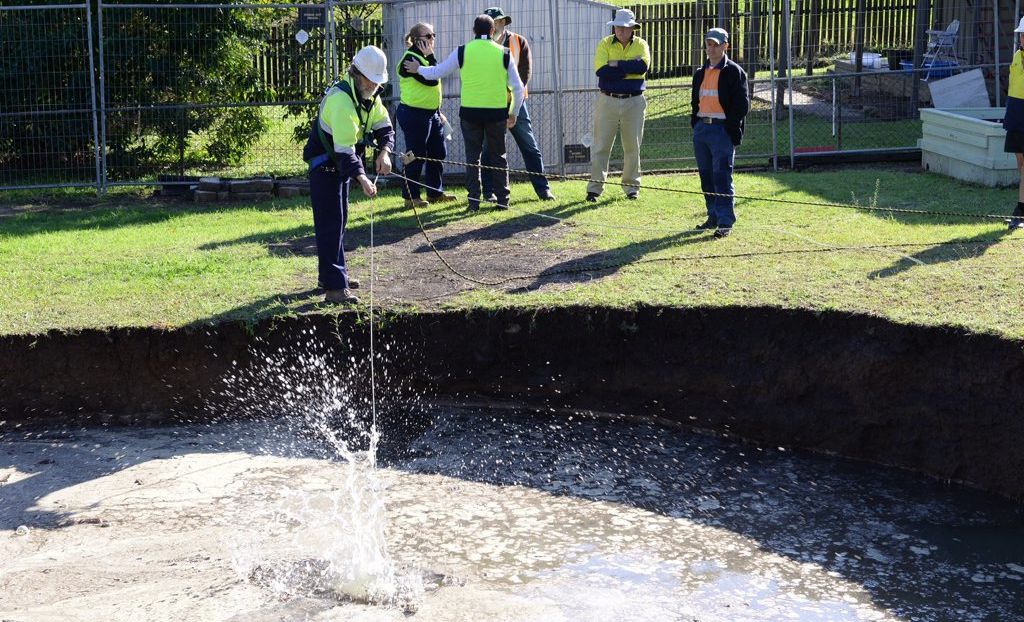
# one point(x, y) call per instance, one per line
point(715, 155)
point(329, 195)
point(424, 136)
point(526, 140)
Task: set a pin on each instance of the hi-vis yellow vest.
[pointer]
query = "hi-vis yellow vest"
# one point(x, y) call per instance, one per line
point(413, 92)
point(1016, 89)
point(484, 74)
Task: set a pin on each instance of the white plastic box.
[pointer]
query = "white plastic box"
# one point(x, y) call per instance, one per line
point(871, 60)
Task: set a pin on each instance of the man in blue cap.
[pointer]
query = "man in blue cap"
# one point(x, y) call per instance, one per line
point(522, 131)
point(719, 103)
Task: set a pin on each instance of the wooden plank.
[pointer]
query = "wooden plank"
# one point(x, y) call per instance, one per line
point(677, 63)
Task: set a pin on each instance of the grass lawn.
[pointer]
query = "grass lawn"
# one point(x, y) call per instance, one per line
point(75, 261)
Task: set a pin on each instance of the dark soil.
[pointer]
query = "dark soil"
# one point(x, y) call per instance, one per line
point(934, 400)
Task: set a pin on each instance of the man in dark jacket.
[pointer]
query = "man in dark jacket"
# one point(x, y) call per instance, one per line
point(720, 102)
point(522, 131)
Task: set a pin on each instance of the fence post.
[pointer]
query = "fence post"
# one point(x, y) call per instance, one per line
point(783, 57)
point(103, 104)
point(771, 83)
point(92, 92)
point(556, 40)
point(331, 34)
point(920, 25)
point(858, 45)
point(998, 44)
point(789, 76)
point(752, 36)
point(813, 40)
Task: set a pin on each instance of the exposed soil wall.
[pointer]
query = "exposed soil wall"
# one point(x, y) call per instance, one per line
point(936, 400)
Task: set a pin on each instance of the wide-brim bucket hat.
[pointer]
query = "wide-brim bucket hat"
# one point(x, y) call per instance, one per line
point(624, 18)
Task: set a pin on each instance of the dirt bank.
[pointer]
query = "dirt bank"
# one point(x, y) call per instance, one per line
point(935, 400)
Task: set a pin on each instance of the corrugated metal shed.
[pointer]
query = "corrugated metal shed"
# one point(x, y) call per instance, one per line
point(563, 35)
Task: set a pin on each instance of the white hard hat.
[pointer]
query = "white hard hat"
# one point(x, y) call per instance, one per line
point(372, 63)
point(1020, 26)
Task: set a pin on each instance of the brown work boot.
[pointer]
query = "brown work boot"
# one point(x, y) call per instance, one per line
point(410, 203)
point(341, 296)
point(444, 197)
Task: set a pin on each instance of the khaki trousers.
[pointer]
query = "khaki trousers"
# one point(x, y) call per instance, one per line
point(612, 116)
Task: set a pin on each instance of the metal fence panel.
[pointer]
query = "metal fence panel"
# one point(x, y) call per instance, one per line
point(190, 88)
point(47, 103)
point(212, 89)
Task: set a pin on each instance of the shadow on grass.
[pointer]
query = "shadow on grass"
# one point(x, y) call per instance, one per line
point(607, 262)
point(274, 305)
point(104, 217)
point(896, 189)
point(391, 225)
point(953, 250)
point(509, 228)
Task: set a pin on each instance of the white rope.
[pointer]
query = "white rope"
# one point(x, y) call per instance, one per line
point(373, 375)
point(690, 230)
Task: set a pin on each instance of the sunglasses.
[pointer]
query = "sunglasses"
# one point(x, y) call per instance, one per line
point(429, 35)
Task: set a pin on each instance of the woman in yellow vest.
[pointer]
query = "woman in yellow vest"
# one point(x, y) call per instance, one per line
point(487, 75)
point(1013, 123)
point(419, 116)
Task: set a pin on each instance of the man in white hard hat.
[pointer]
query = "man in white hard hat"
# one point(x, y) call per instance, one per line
point(1013, 123)
point(351, 118)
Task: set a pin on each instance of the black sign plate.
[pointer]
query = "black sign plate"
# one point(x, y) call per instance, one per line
point(577, 154)
point(311, 17)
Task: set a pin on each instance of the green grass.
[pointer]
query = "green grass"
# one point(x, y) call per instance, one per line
point(126, 262)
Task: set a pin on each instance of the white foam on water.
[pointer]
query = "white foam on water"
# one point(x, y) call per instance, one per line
point(314, 536)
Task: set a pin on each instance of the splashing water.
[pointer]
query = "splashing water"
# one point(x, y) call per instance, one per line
point(317, 536)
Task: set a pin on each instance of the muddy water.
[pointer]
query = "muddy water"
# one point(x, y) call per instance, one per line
point(489, 514)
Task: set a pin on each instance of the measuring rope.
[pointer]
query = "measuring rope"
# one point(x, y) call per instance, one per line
point(409, 157)
point(892, 249)
point(885, 249)
point(373, 375)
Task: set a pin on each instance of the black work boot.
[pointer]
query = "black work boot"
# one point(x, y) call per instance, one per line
point(1017, 220)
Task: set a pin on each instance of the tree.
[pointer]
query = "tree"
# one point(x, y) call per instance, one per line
point(173, 78)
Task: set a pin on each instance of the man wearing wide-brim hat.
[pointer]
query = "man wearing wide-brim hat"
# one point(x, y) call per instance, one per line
point(719, 103)
point(621, 63)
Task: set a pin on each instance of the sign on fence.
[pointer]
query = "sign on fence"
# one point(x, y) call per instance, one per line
point(311, 17)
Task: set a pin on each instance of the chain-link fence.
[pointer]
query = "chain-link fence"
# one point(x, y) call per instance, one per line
point(48, 116)
point(114, 93)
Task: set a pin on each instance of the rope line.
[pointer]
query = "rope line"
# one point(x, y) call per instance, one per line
point(869, 208)
point(434, 248)
point(373, 371)
point(883, 248)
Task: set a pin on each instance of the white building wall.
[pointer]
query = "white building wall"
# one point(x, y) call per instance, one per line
point(580, 23)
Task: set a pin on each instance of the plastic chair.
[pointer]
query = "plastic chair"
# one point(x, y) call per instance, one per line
point(940, 55)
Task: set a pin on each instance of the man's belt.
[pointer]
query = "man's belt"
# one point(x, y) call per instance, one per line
point(621, 95)
point(711, 120)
